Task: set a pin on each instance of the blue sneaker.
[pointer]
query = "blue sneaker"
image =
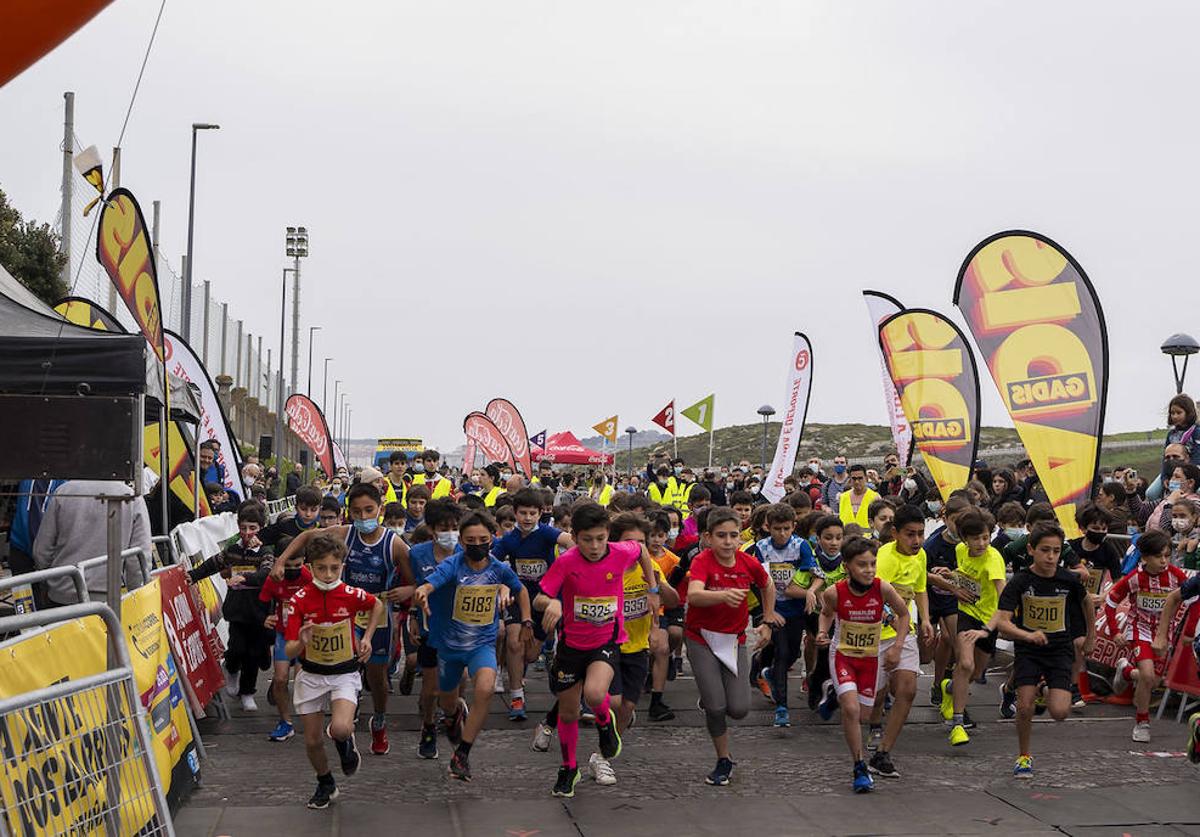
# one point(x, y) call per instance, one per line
point(782, 719)
point(516, 711)
point(829, 703)
point(1023, 769)
point(282, 732)
point(863, 783)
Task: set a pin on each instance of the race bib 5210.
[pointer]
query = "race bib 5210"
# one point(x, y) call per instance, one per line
point(1044, 613)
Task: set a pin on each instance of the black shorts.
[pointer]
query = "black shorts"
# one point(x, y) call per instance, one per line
point(426, 654)
point(940, 607)
point(570, 664)
point(672, 618)
point(629, 676)
point(1031, 667)
point(967, 622)
point(512, 616)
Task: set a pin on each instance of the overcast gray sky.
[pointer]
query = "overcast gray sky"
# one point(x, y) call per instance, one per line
point(592, 208)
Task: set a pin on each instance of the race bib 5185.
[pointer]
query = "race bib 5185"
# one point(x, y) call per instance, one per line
point(859, 639)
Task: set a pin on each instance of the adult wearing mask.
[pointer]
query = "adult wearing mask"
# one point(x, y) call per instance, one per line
point(716, 489)
point(426, 473)
point(1182, 485)
point(839, 482)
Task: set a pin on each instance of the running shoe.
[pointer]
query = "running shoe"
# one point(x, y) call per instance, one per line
point(947, 704)
point(379, 738)
point(1008, 702)
point(1023, 769)
point(325, 794)
point(564, 786)
point(459, 768)
point(1119, 683)
point(874, 736)
point(968, 722)
point(763, 681)
point(1141, 732)
point(499, 687)
point(610, 739)
point(782, 719)
point(248, 703)
point(454, 725)
point(881, 765)
point(829, 703)
point(406, 680)
point(516, 710)
point(542, 738)
point(601, 770)
point(661, 712)
point(958, 736)
point(863, 783)
point(282, 732)
point(347, 752)
point(935, 693)
point(721, 774)
point(585, 713)
point(1193, 748)
point(231, 682)
point(427, 747)
point(1077, 701)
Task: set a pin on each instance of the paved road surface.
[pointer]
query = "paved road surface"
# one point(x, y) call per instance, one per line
point(1091, 780)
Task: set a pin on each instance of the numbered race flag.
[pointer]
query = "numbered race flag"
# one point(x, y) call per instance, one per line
point(666, 418)
point(538, 441)
point(702, 412)
point(1040, 328)
point(934, 371)
point(792, 428)
point(607, 429)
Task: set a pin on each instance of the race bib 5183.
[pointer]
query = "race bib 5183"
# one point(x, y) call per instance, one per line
point(475, 604)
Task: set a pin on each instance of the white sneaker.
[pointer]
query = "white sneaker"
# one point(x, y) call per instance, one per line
point(231, 682)
point(1119, 683)
point(250, 706)
point(499, 689)
point(542, 738)
point(1141, 732)
point(601, 770)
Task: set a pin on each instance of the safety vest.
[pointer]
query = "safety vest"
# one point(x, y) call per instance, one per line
point(662, 496)
point(680, 496)
point(489, 499)
point(403, 492)
point(606, 494)
point(846, 509)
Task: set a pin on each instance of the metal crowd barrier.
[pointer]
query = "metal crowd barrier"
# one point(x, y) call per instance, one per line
point(144, 561)
point(93, 729)
point(172, 547)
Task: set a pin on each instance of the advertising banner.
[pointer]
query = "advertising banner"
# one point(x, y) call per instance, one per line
point(124, 249)
point(339, 458)
point(487, 438)
point(934, 372)
point(183, 362)
point(53, 755)
point(794, 413)
point(194, 642)
point(308, 422)
point(1040, 329)
point(84, 312)
point(181, 475)
point(507, 419)
point(158, 685)
point(880, 306)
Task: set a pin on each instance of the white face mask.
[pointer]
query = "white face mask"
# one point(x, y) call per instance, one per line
point(447, 540)
point(910, 485)
point(326, 586)
point(399, 530)
point(1181, 524)
point(672, 534)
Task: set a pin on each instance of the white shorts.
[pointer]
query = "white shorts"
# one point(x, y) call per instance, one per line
point(910, 658)
point(314, 692)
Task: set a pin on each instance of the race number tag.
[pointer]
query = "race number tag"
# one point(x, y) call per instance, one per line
point(964, 582)
point(330, 645)
point(1095, 579)
point(475, 604)
point(910, 598)
point(596, 610)
point(1152, 601)
point(1044, 613)
point(859, 639)
point(636, 607)
point(781, 574)
point(530, 569)
point(244, 569)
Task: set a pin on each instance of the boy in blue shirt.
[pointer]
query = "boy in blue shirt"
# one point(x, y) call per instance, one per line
point(783, 554)
point(529, 548)
point(464, 598)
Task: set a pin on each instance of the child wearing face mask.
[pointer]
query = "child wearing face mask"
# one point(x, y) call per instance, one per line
point(1010, 520)
point(279, 592)
point(245, 564)
point(1185, 535)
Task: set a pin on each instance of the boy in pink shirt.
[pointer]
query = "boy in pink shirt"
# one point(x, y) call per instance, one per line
point(584, 588)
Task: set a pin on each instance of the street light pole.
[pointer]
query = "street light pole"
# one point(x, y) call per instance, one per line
point(279, 380)
point(631, 430)
point(185, 327)
point(1184, 346)
point(297, 248)
point(311, 331)
point(766, 411)
point(325, 388)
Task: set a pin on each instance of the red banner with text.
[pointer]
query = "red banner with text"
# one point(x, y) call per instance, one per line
point(308, 422)
point(487, 438)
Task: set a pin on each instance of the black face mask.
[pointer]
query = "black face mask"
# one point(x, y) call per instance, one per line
point(1095, 538)
point(291, 574)
point(476, 551)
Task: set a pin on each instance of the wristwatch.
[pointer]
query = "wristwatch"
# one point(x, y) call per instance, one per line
point(653, 590)
point(528, 623)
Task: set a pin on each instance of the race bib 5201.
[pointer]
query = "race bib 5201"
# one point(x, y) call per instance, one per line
point(596, 610)
point(330, 645)
point(859, 639)
point(475, 604)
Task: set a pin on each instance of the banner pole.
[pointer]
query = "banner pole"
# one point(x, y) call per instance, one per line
point(710, 446)
point(164, 486)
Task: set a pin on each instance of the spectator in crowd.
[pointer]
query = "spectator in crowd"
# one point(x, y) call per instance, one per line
point(1005, 489)
point(839, 482)
point(75, 528)
point(220, 499)
point(1182, 428)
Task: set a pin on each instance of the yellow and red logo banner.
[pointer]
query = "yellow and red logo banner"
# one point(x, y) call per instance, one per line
point(933, 370)
point(123, 247)
point(1039, 326)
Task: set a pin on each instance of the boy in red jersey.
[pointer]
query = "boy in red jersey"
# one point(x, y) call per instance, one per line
point(280, 591)
point(1147, 588)
point(858, 602)
point(320, 632)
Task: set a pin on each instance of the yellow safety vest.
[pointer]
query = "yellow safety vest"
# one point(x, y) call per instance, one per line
point(662, 496)
point(846, 510)
point(403, 492)
point(681, 495)
point(489, 499)
point(606, 494)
